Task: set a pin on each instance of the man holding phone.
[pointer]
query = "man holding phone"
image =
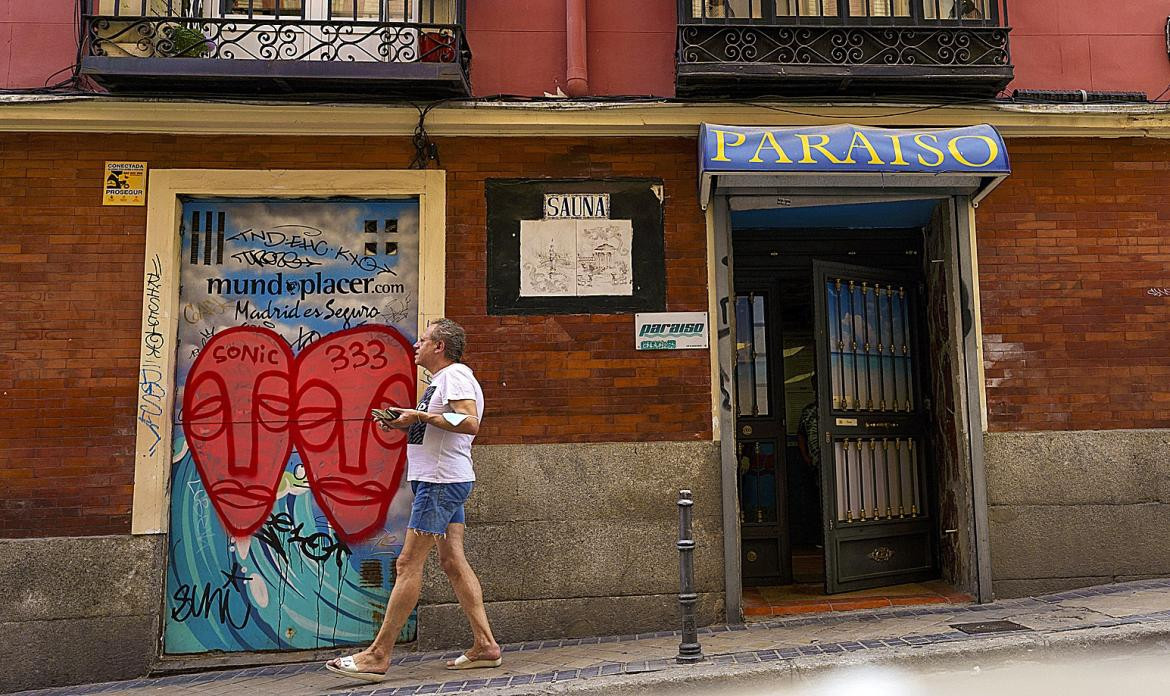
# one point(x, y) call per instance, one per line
point(439, 468)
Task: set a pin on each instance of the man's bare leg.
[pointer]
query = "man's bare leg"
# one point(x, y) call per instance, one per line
point(470, 594)
point(403, 598)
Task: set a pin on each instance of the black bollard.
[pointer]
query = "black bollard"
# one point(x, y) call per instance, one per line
point(689, 650)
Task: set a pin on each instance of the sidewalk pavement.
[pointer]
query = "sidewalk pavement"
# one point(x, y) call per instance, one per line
point(612, 664)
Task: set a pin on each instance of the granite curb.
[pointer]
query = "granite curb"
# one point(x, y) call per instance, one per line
point(796, 658)
point(707, 676)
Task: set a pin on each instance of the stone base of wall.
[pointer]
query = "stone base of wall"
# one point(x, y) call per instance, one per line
point(576, 540)
point(568, 541)
point(1006, 589)
point(78, 609)
point(1073, 509)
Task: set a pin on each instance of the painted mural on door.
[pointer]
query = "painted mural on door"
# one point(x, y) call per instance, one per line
point(288, 506)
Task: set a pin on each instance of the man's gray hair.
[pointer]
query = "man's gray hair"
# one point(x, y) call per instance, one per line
point(452, 335)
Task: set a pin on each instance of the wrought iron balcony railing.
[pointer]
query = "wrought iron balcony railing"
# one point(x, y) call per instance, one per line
point(407, 47)
point(824, 47)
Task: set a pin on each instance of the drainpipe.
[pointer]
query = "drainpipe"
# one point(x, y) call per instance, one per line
point(576, 69)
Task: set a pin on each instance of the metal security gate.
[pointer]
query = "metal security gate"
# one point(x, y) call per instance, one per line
point(287, 509)
point(872, 427)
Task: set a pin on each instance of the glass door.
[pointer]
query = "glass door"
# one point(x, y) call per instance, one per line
point(761, 437)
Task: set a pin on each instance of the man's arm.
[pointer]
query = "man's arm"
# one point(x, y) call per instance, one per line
point(465, 407)
point(467, 426)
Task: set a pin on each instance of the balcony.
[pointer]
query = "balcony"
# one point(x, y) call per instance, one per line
point(843, 48)
point(372, 49)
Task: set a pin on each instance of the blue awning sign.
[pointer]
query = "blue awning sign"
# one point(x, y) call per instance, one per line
point(848, 148)
point(977, 150)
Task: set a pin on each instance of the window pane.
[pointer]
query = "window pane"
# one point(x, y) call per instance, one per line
point(267, 8)
point(437, 12)
point(743, 350)
point(971, 9)
point(751, 357)
point(760, 341)
point(745, 9)
point(806, 8)
point(727, 9)
point(956, 9)
point(425, 11)
point(354, 9)
point(871, 8)
point(136, 8)
point(757, 487)
point(400, 11)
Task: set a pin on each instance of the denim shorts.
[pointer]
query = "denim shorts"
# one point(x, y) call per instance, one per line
point(437, 505)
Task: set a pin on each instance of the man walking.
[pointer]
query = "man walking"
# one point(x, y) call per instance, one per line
point(439, 469)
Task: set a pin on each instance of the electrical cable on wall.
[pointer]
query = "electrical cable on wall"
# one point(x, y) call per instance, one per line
point(425, 149)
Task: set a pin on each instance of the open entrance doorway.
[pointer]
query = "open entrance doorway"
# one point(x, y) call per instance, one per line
point(854, 187)
point(846, 357)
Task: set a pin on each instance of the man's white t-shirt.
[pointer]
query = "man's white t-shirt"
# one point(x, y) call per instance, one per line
point(441, 456)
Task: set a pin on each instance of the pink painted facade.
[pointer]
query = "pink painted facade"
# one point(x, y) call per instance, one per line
point(519, 45)
point(1086, 44)
point(38, 41)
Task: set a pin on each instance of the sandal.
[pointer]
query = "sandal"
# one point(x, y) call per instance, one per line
point(347, 667)
point(465, 662)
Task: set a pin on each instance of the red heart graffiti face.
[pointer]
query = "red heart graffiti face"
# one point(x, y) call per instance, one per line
point(236, 416)
point(354, 467)
point(248, 400)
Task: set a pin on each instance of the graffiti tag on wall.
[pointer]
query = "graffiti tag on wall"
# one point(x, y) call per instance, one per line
point(248, 400)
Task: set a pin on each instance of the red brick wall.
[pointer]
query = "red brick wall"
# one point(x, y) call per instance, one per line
point(71, 282)
point(1069, 247)
point(575, 378)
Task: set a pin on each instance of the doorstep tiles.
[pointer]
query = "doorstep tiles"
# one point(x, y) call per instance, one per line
point(791, 600)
